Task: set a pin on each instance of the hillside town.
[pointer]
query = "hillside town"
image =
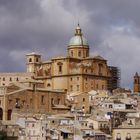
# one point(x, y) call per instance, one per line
point(72, 97)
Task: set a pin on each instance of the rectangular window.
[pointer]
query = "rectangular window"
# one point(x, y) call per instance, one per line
point(52, 102)
point(102, 86)
point(17, 103)
point(3, 78)
point(60, 68)
point(118, 136)
point(31, 101)
point(71, 88)
point(77, 87)
point(97, 86)
point(10, 79)
point(42, 99)
point(58, 101)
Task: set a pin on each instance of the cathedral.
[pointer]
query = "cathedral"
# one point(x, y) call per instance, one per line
point(75, 72)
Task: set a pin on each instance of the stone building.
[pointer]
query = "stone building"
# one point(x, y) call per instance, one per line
point(136, 83)
point(7, 78)
point(33, 99)
point(76, 72)
point(127, 131)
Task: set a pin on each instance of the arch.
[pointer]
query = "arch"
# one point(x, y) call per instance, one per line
point(71, 53)
point(37, 60)
point(79, 53)
point(1, 114)
point(48, 85)
point(9, 113)
point(30, 59)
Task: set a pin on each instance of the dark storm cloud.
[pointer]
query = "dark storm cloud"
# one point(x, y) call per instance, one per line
point(111, 27)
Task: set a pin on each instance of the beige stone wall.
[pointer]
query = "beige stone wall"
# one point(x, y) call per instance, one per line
point(36, 101)
point(60, 83)
point(7, 78)
point(133, 132)
point(82, 102)
point(31, 101)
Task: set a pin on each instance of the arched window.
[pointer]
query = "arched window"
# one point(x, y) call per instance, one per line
point(3, 78)
point(30, 59)
point(10, 79)
point(37, 59)
point(48, 85)
point(79, 53)
point(128, 137)
point(71, 53)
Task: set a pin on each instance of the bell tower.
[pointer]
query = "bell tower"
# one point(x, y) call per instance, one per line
point(78, 46)
point(136, 83)
point(32, 61)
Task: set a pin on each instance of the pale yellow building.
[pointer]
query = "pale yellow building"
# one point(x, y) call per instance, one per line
point(77, 71)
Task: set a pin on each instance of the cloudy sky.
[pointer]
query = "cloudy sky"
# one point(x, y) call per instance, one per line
point(112, 28)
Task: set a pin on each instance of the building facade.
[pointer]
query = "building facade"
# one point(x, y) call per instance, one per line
point(76, 72)
point(31, 99)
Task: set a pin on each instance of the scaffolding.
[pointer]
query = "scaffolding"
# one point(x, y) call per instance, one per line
point(114, 80)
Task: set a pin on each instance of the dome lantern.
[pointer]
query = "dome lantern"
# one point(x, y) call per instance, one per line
point(78, 31)
point(78, 39)
point(78, 46)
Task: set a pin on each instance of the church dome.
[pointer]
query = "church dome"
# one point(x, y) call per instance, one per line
point(78, 39)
